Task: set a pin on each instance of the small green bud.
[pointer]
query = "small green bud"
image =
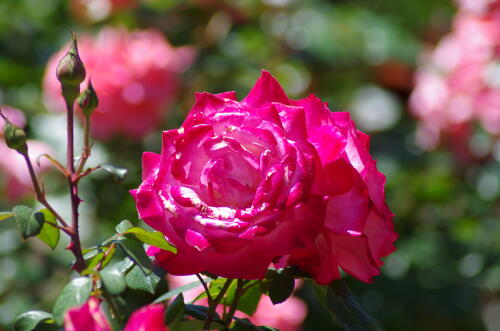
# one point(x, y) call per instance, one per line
point(70, 69)
point(15, 137)
point(88, 100)
point(71, 72)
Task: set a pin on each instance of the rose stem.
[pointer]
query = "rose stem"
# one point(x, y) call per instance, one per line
point(40, 196)
point(75, 245)
point(213, 306)
point(234, 304)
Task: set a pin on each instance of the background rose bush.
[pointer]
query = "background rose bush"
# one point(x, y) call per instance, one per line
point(457, 85)
point(136, 74)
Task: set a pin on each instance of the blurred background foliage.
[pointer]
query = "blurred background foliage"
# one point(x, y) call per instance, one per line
point(358, 55)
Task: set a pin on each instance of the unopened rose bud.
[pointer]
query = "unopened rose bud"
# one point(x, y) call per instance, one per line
point(15, 137)
point(71, 72)
point(88, 100)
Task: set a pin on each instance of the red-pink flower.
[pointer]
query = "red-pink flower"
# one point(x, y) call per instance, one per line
point(87, 317)
point(13, 169)
point(136, 76)
point(243, 184)
point(458, 83)
point(150, 317)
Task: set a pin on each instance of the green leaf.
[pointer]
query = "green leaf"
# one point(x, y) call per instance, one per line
point(123, 226)
point(216, 286)
point(29, 320)
point(93, 259)
point(110, 252)
point(199, 312)
point(243, 324)
point(118, 173)
point(49, 234)
point(178, 290)
point(154, 238)
point(113, 281)
point(281, 287)
point(250, 299)
point(137, 280)
point(135, 251)
point(346, 310)
point(266, 328)
point(5, 215)
point(75, 293)
point(192, 325)
point(29, 222)
point(124, 265)
point(175, 310)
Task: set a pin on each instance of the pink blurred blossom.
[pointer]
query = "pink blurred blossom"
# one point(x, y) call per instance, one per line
point(13, 168)
point(135, 75)
point(87, 317)
point(150, 318)
point(458, 82)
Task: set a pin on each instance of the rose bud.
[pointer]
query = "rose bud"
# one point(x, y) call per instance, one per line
point(88, 100)
point(71, 72)
point(137, 75)
point(15, 137)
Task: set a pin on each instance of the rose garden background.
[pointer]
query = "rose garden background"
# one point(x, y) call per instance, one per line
point(420, 77)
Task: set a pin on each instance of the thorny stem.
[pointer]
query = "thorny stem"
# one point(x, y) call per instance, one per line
point(40, 196)
point(75, 245)
point(236, 300)
point(202, 281)
point(86, 145)
point(213, 306)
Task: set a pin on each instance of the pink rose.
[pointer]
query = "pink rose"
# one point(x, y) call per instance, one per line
point(87, 317)
point(13, 169)
point(136, 76)
point(149, 318)
point(243, 184)
point(457, 84)
point(286, 316)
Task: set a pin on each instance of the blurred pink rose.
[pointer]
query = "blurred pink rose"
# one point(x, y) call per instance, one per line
point(136, 76)
point(458, 83)
point(87, 317)
point(13, 168)
point(243, 184)
point(150, 317)
point(286, 316)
